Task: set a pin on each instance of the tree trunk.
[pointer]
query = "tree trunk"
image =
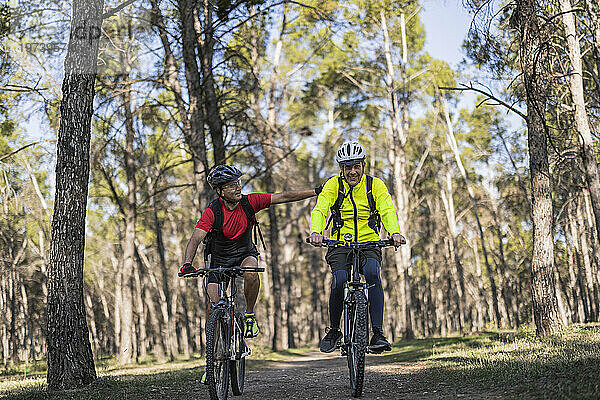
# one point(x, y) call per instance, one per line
point(192, 117)
point(118, 302)
point(195, 138)
point(576, 308)
point(109, 328)
point(594, 242)
point(142, 334)
point(206, 44)
point(397, 156)
point(447, 194)
point(584, 295)
point(267, 132)
point(130, 210)
point(588, 155)
point(167, 328)
point(70, 362)
point(157, 343)
point(506, 291)
point(93, 329)
point(592, 289)
point(533, 57)
point(454, 146)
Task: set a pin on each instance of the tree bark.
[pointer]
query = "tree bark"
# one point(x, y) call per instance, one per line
point(70, 362)
point(532, 53)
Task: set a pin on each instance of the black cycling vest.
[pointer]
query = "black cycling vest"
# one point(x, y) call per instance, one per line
point(220, 245)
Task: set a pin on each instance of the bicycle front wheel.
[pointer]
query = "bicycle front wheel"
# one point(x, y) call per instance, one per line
point(217, 354)
point(357, 345)
point(238, 366)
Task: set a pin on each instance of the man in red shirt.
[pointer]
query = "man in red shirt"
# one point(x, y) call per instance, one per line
point(229, 220)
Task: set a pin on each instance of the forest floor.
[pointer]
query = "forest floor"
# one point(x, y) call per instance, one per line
point(485, 366)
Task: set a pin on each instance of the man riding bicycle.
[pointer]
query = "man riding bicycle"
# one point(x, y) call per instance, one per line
point(359, 204)
point(228, 221)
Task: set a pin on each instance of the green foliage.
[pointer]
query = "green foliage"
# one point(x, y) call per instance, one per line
point(5, 17)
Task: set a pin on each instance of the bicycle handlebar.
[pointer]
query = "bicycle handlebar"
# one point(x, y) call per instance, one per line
point(356, 245)
point(229, 271)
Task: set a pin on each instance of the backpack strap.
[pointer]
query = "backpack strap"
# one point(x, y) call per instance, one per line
point(252, 221)
point(374, 216)
point(336, 215)
point(209, 239)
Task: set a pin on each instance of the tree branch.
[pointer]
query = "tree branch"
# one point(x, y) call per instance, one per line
point(24, 147)
point(115, 10)
point(489, 96)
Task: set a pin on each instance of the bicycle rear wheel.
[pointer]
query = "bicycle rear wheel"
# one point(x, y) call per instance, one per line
point(238, 366)
point(217, 354)
point(357, 345)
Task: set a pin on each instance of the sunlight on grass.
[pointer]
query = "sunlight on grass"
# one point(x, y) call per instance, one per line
point(150, 371)
point(562, 365)
point(511, 365)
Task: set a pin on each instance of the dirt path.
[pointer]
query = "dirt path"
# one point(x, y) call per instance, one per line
point(325, 376)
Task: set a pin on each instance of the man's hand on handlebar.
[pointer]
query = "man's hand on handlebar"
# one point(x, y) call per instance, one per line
point(186, 268)
point(399, 240)
point(316, 239)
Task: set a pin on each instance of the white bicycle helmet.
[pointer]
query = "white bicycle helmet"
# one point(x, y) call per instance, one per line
point(350, 152)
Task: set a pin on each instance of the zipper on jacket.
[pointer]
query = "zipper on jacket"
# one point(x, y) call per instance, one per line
point(355, 215)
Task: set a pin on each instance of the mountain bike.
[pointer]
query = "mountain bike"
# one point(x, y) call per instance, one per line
point(356, 327)
point(226, 348)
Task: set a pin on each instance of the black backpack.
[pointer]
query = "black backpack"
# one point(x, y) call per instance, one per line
point(215, 206)
point(336, 217)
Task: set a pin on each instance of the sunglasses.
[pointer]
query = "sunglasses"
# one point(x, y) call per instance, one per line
point(232, 185)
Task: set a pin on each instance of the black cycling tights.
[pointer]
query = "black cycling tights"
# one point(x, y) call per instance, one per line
point(336, 298)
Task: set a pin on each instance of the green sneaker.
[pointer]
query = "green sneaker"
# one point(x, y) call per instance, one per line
point(250, 326)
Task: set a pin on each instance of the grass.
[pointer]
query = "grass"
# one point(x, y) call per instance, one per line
point(563, 366)
point(501, 366)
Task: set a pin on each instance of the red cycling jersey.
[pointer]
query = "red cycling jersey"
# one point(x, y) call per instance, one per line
point(234, 221)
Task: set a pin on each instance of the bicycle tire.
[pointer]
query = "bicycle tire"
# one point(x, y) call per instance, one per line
point(217, 355)
point(237, 367)
point(357, 345)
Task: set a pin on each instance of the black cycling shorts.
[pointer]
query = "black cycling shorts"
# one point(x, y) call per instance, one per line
point(234, 261)
point(341, 257)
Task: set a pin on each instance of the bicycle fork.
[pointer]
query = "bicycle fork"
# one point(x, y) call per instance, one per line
point(350, 312)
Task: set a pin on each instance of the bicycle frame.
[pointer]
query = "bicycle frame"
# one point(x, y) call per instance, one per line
point(226, 345)
point(356, 327)
point(352, 285)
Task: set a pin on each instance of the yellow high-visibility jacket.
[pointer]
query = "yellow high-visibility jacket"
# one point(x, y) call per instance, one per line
point(355, 209)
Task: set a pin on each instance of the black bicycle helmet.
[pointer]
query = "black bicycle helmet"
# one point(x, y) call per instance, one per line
point(222, 174)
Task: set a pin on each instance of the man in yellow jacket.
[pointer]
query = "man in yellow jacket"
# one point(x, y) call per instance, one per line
point(355, 216)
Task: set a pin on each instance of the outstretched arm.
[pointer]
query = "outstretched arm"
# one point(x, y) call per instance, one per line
point(292, 195)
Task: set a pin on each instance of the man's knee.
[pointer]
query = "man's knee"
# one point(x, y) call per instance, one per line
point(251, 278)
point(371, 271)
point(338, 280)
